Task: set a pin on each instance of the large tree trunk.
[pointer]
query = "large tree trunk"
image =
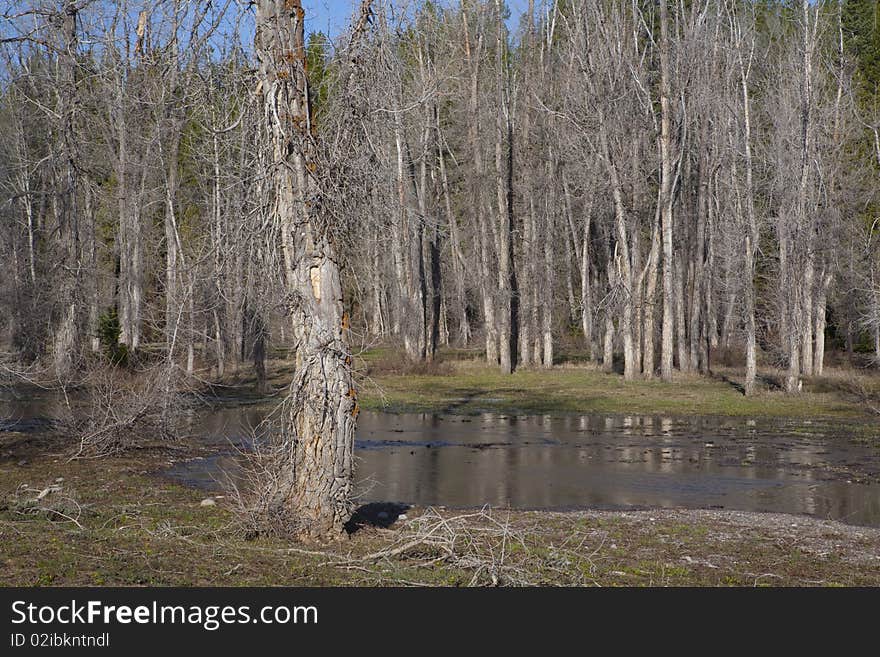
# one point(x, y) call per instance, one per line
point(321, 407)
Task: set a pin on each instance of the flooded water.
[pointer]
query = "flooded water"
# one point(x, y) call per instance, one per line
point(827, 469)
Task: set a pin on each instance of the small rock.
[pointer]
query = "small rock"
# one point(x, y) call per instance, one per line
point(59, 480)
point(207, 502)
point(382, 515)
point(402, 516)
point(23, 462)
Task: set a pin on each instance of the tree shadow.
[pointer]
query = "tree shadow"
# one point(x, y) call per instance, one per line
point(736, 385)
point(375, 514)
point(772, 382)
point(768, 380)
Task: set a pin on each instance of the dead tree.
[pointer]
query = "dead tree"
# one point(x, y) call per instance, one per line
point(321, 405)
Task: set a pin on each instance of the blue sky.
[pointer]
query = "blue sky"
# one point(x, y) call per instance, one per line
point(332, 16)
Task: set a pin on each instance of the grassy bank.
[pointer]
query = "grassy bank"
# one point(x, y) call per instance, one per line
point(114, 522)
point(468, 386)
point(459, 383)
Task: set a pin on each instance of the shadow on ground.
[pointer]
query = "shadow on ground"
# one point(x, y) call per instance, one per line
point(376, 514)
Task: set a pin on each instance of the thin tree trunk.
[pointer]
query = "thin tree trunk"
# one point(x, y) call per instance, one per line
point(502, 178)
point(684, 358)
point(547, 287)
point(622, 259)
point(666, 349)
point(807, 338)
point(821, 301)
point(458, 261)
point(650, 302)
point(473, 55)
point(750, 243)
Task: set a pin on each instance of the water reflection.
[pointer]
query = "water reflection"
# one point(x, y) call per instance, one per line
point(824, 468)
point(602, 461)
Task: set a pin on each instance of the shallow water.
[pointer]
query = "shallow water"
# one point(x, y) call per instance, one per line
point(828, 469)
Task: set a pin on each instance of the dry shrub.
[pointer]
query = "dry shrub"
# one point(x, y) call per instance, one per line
point(261, 481)
point(256, 490)
point(122, 409)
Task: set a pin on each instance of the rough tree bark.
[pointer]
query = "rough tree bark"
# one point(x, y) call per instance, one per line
point(321, 404)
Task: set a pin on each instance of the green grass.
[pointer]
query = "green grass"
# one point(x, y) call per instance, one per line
point(462, 383)
point(470, 387)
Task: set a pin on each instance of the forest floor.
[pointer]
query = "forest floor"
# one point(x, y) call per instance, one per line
point(113, 521)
